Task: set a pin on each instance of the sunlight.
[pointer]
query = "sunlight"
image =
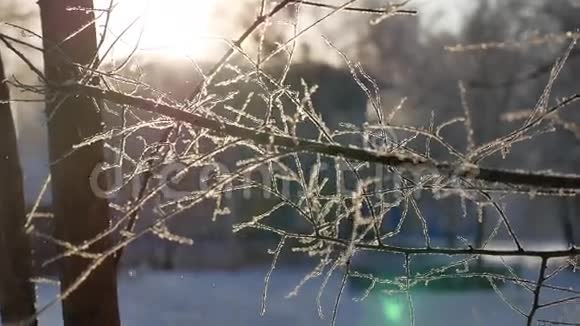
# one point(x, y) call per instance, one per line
point(168, 27)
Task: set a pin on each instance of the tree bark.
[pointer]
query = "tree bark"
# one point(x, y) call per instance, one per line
point(17, 295)
point(69, 38)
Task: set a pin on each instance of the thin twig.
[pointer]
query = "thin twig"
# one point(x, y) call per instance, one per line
point(362, 10)
point(537, 291)
point(237, 44)
point(425, 251)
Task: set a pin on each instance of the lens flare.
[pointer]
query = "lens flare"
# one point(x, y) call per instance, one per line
point(392, 309)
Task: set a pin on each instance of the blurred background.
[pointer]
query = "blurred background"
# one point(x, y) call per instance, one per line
point(494, 57)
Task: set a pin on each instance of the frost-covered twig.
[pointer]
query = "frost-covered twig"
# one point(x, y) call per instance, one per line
point(405, 161)
point(537, 290)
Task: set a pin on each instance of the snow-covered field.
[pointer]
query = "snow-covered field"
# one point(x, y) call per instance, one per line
point(233, 298)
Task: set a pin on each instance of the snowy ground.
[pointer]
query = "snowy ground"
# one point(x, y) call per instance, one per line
point(223, 298)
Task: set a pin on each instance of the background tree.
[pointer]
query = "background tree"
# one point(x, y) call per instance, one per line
point(17, 295)
point(69, 39)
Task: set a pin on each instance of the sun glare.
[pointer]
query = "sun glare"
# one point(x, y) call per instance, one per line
point(169, 27)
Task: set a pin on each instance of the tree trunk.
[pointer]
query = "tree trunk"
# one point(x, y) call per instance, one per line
point(16, 289)
point(79, 214)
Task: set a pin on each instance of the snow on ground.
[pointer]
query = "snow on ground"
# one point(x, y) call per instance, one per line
point(233, 298)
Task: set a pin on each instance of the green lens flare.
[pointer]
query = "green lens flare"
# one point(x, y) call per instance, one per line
point(392, 309)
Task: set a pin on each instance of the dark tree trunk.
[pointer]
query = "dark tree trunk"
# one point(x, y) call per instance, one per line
point(79, 214)
point(16, 289)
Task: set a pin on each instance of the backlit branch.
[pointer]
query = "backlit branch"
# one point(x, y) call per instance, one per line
point(539, 180)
